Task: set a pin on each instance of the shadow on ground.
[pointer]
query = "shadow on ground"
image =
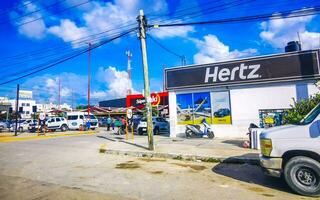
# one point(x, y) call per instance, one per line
point(250, 174)
point(237, 143)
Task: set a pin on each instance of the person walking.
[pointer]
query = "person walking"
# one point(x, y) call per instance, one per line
point(112, 123)
point(108, 123)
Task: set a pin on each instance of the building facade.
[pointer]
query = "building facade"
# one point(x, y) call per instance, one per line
point(231, 95)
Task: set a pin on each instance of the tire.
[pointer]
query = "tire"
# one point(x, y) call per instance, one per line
point(188, 135)
point(156, 131)
point(302, 175)
point(20, 129)
point(211, 135)
point(64, 128)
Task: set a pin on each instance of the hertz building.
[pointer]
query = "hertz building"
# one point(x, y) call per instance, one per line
point(231, 95)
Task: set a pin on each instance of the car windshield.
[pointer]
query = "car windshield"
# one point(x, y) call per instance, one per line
point(310, 116)
point(91, 116)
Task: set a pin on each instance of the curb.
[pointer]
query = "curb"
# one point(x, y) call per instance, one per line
point(43, 137)
point(186, 157)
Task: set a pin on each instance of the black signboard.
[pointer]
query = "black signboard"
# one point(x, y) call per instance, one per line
point(281, 67)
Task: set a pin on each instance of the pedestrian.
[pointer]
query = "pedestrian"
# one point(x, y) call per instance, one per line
point(123, 124)
point(108, 123)
point(112, 123)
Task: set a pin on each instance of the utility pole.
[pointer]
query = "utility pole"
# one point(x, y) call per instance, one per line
point(129, 55)
point(142, 35)
point(17, 109)
point(89, 57)
point(59, 98)
point(72, 99)
point(183, 60)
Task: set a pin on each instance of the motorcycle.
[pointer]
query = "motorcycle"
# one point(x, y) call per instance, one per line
point(195, 130)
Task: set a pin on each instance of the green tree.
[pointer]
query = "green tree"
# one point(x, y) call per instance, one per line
point(300, 109)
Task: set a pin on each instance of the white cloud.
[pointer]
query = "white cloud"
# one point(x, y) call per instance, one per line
point(35, 29)
point(169, 32)
point(281, 31)
point(46, 87)
point(116, 82)
point(106, 16)
point(211, 49)
point(68, 31)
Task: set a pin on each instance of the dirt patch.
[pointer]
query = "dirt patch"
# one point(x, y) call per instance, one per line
point(256, 189)
point(194, 167)
point(268, 195)
point(152, 159)
point(128, 165)
point(156, 172)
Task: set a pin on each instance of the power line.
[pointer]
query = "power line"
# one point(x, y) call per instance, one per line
point(182, 57)
point(285, 14)
point(35, 11)
point(63, 10)
point(70, 57)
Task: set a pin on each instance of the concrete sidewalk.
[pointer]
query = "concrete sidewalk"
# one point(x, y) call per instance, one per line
point(195, 149)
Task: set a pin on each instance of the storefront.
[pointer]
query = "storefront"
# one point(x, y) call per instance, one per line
point(231, 95)
point(159, 101)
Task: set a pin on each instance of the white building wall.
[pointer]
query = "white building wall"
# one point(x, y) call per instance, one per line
point(245, 104)
point(26, 104)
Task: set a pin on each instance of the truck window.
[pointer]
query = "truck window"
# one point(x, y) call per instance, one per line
point(81, 116)
point(72, 117)
point(311, 116)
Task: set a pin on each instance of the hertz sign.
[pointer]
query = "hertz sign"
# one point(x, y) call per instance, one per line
point(282, 67)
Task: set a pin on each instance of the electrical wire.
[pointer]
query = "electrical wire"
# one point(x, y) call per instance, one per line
point(285, 14)
point(164, 47)
point(70, 57)
point(35, 11)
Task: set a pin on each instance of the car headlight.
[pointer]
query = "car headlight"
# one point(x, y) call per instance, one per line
point(266, 146)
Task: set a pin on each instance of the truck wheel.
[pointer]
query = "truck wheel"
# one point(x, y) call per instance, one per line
point(211, 135)
point(64, 128)
point(302, 174)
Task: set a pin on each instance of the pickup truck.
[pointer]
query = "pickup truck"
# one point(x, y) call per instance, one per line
point(293, 151)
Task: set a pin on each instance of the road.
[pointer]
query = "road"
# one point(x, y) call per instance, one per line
point(72, 168)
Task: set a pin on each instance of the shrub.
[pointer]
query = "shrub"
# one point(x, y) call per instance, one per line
point(300, 109)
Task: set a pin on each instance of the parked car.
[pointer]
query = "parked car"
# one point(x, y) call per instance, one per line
point(54, 123)
point(159, 125)
point(76, 120)
point(22, 125)
point(3, 126)
point(293, 151)
point(102, 122)
point(222, 112)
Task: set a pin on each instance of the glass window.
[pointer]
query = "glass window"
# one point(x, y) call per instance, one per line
point(58, 119)
point(72, 117)
point(184, 109)
point(23, 104)
point(27, 112)
point(27, 104)
point(214, 107)
point(221, 108)
point(81, 116)
point(201, 107)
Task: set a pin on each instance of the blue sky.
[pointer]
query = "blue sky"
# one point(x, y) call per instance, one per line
point(40, 32)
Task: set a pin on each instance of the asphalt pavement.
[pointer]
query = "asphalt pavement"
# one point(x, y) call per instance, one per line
point(73, 168)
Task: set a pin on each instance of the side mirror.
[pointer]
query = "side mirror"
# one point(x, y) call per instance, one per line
point(314, 129)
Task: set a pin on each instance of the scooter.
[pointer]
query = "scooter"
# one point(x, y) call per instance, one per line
point(195, 130)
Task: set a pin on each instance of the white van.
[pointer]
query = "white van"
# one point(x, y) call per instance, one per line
point(78, 119)
point(293, 151)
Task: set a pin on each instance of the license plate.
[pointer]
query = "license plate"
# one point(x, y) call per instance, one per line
point(144, 129)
